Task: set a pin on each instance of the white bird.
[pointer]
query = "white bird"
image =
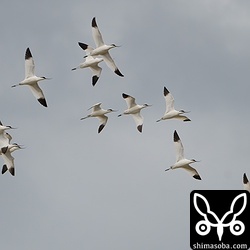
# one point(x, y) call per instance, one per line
point(92, 63)
point(170, 110)
point(99, 113)
point(4, 136)
point(31, 79)
point(8, 158)
point(101, 48)
point(134, 110)
point(246, 183)
point(181, 161)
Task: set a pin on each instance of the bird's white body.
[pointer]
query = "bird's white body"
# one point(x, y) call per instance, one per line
point(4, 140)
point(99, 113)
point(181, 161)
point(101, 49)
point(31, 79)
point(171, 112)
point(246, 183)
point(4, 137)
point(92, 63)
point(134, 110)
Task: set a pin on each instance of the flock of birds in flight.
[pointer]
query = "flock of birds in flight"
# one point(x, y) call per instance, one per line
point(93, 57)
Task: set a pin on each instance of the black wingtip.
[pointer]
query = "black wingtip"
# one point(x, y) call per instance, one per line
point(94, 24)
point(197, 177)
point(12, 171)
point(187, 120)
point(94, 80)
point(117, 71)
point(176, 136)
point(245, 180)
point(125, 95)
point(165, 91)
point(4, 169)
point(28, 54)
point(43, 102)
point(139, 127)
point(1, 123)
point(4, 149)
point(84, 46)
point(101, 128)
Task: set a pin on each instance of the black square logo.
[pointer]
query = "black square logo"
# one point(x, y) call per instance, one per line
point(219, 219)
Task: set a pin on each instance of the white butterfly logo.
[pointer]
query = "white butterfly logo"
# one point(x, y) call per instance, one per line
point(236, 227)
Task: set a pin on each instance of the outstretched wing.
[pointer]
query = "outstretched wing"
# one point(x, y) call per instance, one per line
point(179, 149)
point(96, 107)
point(130, 100)
point(85, 47)
point(192, 171)
point(246, 183)
point(103, 121)
point(169, 99)
point(138, 121)
point(97, 36)
point(38, 93)
point(29, 64)
point(96, 73)
point(111, 64)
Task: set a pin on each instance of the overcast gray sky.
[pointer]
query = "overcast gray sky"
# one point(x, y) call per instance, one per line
point(76, 189)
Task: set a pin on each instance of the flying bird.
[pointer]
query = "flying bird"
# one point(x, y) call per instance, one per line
point(99, 113)
point(171, 112)
point(8, 158)
point(181, 161)
point(134, 110)
point(101, 49)
point(246, 183)
point(5, 138)
point(92, 63)
point(31, 79)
